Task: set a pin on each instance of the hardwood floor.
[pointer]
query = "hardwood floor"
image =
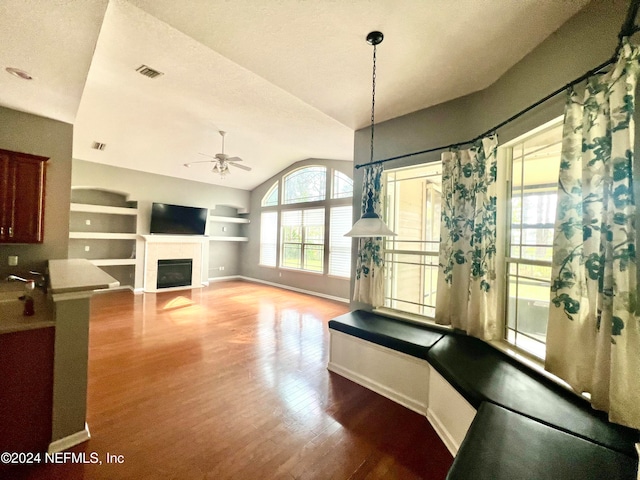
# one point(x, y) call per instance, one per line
point(230, 381)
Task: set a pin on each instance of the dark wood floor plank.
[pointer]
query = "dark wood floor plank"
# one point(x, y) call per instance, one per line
point(230, 381)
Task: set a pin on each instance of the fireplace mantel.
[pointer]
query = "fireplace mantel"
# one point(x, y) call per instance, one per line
point(168, 247)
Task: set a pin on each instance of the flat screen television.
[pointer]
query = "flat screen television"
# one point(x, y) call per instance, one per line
point(170, 219)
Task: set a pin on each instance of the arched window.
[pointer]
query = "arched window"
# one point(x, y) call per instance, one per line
point(342, 185)
point(270, 198)
point(308, 184)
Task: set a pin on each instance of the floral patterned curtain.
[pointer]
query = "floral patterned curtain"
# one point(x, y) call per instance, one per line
point(369, 285)
point(593, 337)
point(466, 296)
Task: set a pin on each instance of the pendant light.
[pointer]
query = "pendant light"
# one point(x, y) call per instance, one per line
point(370, 224)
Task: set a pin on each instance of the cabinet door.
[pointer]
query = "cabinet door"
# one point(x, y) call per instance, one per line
point(28, 200)
point(5, 197)
point(23, 182)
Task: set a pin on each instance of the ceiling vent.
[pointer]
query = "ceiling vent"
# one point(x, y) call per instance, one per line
point(148, 71)
point(98, 146)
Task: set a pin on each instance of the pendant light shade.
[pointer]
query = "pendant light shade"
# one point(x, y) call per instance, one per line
point(370, 224)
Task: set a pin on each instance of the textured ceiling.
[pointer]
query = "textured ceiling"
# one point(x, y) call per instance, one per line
point(287, 79)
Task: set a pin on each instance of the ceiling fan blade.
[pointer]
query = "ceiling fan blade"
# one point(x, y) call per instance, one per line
point(188, 164)
point(234, 159)
point(242, 167)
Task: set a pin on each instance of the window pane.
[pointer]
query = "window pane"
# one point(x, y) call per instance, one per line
point(308, 184)
point(413, 197)
point(268, 238)
point(314, 258)
point(291, 255)
point(271, 197)
point(340, 246)
point(342, 185)
point(303, 239)
point(534, 177)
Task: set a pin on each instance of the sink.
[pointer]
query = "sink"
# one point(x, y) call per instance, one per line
point(11, 308)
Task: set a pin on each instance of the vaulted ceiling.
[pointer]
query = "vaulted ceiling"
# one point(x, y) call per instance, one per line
point(287, 79)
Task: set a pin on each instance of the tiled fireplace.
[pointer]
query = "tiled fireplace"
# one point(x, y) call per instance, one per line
point(172, 250)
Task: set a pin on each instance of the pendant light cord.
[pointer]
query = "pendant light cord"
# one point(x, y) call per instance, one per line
point(373, 100)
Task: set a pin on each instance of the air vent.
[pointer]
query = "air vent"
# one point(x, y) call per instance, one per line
point(98, 146)
point(148, 71)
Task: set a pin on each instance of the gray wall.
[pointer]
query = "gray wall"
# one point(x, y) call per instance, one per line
point(146, 188)
point(23, 132)
point(585, 41)
point(250, 252)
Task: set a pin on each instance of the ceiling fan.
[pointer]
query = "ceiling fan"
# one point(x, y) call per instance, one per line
point(221, 161)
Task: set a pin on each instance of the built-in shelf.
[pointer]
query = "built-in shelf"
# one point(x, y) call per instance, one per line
point(85, 207)
point(219, 219)
point(105, 262)
point(103, 235)
point(228, 239)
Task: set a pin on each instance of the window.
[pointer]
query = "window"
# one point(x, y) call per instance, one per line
point(268, 238)
point(308, 184)
point(340, 220)
point(342, 186)
point(535, 162)
point(303, 239)
point(270, 199)
point(411, 258)
point(309, 239)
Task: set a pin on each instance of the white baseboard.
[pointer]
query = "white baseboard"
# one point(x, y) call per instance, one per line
point(295, 289)
point(70, 441)
point(383, 390)
point(443, 433)
point(224, 279)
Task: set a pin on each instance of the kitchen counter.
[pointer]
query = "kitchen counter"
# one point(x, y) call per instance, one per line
point(76, 275)
point(11, 308)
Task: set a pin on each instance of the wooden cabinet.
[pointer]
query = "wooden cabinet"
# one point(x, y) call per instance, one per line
point(26, 383)
point(22, 187)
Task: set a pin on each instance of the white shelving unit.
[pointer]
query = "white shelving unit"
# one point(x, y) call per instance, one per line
point(103, 224)
point(103, 235)
point(219, 219)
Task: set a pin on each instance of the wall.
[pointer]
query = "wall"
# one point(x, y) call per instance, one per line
point(146, 188)
point(250, 252)
point(583, 42)
point(28, 133)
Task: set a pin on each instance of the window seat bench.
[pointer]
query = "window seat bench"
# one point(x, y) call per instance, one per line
point(526, 426)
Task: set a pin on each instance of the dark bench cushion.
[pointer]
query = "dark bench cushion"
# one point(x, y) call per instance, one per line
point(482, 373)
point(503, 445)
point(414, 340)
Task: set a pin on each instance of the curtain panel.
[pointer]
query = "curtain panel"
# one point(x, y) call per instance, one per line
point(369, 283)
point(593, 336)
point(466, 296)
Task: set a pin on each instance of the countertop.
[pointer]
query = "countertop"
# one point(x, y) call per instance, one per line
point(68, 278)
point(76, 275)
point(11, 317)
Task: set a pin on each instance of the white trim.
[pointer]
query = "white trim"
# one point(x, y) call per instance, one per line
point(443, 433)
point(90, 208)
point(287, 287)
point(70, 440)
point(219, 219)
point(224, 279)
point(374, 386)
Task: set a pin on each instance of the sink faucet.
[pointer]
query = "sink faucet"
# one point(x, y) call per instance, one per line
point(42, 283)
point(16, 278)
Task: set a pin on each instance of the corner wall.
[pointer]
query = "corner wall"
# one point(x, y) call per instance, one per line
point(585, 41)
point(24, 132)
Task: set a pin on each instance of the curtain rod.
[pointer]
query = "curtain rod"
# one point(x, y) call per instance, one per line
point(628, 28)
